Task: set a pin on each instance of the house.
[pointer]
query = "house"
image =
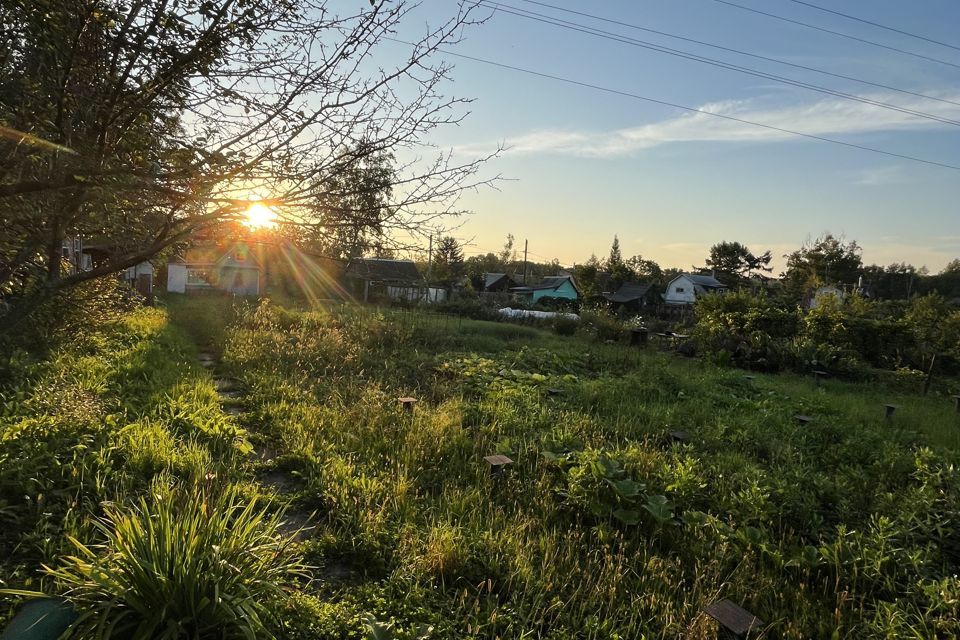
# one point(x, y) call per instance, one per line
point(687, 287)
point(84, 254)
point(72, 251)
point(564, 287)
point(498, 282)
point(394, 279)
point(633, 296)
point(235, 269)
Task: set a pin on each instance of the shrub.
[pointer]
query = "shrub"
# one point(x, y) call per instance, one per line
point(181, 566)
point(565, 326)
point(474, 308)
point(552, 303)
point(602, 325)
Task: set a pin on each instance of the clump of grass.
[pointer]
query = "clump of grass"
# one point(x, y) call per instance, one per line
point(181, 566)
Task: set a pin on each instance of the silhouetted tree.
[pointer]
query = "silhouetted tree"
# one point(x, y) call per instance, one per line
point(827, 260)
point(733, 262)
point(143, 122)
point(448, 260)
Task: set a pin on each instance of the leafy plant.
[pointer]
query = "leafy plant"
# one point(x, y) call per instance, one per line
point(177, 566)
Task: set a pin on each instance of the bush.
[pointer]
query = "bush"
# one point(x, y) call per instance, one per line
point(181, 566)
point(551, 303)
point(602, 325)
point(565, 326)
point(473, 308)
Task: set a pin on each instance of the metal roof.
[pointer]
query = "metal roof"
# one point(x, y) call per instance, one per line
point(384, 270)
point(630, 291)
point(555, 282)
point(491, 279)
point(704, 281)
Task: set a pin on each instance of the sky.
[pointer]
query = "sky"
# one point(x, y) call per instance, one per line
point(583, 165)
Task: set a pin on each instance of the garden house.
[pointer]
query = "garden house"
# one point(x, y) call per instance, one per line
point(498, 282)
point(235, 269)
point(563, 287)
point(687, 287)
point(633, 296)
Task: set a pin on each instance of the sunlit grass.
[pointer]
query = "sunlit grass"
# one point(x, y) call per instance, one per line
point(601, 528)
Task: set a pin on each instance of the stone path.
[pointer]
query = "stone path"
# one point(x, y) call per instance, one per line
point(232, 391)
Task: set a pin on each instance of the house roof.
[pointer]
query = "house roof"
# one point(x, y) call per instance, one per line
point(555, 282)
point(238, 255)
point(708, 282)
point(630, 291)
point(490, 279)
point(382, 269)
point(549, 283)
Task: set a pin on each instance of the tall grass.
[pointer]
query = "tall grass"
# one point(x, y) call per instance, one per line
point(601, 528)
point(180, 565)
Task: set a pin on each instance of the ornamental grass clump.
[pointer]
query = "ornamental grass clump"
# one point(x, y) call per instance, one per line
point(181, 566)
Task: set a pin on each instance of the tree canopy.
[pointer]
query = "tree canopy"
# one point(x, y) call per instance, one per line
point(142, 122)
point(733, 262)
point(448, 263)
point(826, 260)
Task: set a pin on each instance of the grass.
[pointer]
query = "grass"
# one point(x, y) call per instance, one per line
point(601, 528)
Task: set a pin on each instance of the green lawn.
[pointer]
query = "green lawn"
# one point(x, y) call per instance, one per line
point(847, 527)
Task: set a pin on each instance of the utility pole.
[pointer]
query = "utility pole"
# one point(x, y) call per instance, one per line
point(525, 245)
point(430, 261)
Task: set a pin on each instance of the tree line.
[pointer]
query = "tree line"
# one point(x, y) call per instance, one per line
point(826, 260)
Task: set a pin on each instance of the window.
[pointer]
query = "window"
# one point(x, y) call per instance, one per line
point(198, 277)
point(679, 289)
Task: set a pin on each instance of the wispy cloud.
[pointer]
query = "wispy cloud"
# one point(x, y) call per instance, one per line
point(829, 117)
point(879, 176)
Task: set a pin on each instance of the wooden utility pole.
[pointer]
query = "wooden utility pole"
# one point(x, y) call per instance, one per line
point(430, 261)
point(525, 246)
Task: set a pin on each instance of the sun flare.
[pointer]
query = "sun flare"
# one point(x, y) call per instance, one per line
point(260, 216)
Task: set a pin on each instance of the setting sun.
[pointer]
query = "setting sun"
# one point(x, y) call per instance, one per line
point(259, 216)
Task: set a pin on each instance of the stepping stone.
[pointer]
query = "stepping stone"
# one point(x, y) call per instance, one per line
point(554, 392)
point(235, 411)
point(803, 420)
point(297, 525)
point(232, 394)
point(338, 572)
point(265, 453)
point(227, 384)
point(733, 618)
point(679, 436)
point(749, 378)
point(278, 481)
point(40, 619)
point(497, 463)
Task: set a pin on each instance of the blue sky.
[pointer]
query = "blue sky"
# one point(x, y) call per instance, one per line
point(586, 165)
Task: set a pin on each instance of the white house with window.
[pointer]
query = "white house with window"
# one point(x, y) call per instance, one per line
point(687, 287)
point(235, 269)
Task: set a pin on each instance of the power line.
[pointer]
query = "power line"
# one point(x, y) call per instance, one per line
point(743, 53)
point(875, 24)
point(607, 35)
point(837, 33)
point(635, 96)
